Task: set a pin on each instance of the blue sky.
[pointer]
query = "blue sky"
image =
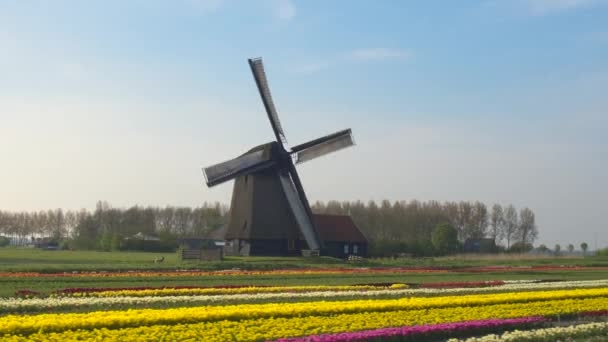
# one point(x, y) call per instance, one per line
point(492, 100)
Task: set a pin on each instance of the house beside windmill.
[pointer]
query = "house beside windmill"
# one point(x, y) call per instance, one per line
point(340, 235)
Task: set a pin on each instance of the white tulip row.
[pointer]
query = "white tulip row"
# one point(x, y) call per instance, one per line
point(13, 305)
point(570, 333)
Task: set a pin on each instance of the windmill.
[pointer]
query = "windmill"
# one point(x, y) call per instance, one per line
point(269, 209)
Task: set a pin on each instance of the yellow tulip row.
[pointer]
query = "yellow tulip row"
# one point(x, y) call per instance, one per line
point(228, 291)
point(274, 328)
point(16, 324)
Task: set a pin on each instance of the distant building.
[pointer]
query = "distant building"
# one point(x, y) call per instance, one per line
point(480, 246)
point(340, 236)
point(46, 243)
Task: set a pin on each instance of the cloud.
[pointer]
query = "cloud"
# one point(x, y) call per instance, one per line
point(284, 9)
point(375, 54)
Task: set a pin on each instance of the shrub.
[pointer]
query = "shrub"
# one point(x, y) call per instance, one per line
point(4, 241)
point(445, 239)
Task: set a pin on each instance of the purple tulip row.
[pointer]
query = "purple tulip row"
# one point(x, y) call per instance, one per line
point(447, 329)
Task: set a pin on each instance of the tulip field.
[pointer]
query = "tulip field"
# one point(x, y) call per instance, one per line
point(316, 309)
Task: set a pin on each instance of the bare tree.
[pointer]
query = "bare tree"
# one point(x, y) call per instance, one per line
point(478, 226)
point(511, 222)
point(527, 231)
point(570, 248)
point(497, 222)
point(465, 213)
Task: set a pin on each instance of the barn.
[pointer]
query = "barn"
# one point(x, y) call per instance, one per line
point(340, 235)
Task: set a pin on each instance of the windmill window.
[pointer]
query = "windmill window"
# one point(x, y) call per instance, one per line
point(355, 249)
point(345, 248)
point(291, 245)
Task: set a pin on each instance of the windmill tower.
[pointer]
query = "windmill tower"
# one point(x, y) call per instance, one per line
point(270, 214)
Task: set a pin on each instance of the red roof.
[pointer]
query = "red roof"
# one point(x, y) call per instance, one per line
point(338, 228)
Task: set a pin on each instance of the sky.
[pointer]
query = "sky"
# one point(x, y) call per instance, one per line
point(499, 101)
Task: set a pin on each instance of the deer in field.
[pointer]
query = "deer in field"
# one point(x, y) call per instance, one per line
point(159, 260)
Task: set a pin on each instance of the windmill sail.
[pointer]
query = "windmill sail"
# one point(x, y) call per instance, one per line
point(245, 164)
point(257, 68)
point(322, 146)
point(299, 211)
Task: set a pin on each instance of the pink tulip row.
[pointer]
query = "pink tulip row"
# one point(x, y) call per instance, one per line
point(435, 330)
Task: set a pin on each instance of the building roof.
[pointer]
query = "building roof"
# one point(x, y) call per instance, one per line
point(338, 228)
point(216, 234)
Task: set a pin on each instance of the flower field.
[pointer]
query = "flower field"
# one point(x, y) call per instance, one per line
point(512, 310)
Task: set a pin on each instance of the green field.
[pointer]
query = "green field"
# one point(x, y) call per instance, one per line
point(37, 260)
point(34, 260)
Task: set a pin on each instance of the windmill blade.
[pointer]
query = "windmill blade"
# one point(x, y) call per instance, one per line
point(322, 146)
point(257, 68)
point(245, 164)
point(300, 212)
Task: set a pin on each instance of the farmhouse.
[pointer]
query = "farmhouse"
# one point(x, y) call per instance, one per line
point(340, 236)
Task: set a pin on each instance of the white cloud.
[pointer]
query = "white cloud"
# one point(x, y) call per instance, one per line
point(374, 54)
point(284, 9)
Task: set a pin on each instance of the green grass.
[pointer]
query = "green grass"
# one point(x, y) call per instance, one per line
point(35, 260)
point(8, 285)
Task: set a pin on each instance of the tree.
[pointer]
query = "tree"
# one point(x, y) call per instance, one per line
point(86, 233)
point(478, 226)
point(520, 247)
point(542, 248)
point(584, 247)
point(511, 222)
point(496, 223)
point(557, 249)
point(526, 231)
point(570, 248)
point(465, 213)
point(445, 238)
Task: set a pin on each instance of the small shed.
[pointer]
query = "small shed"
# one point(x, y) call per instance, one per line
point(483, 245)
point(340, 235)
point(201, 249)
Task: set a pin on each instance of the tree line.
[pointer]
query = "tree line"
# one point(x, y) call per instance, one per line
point(105, 227)
point(409, 226)
point(400, 226)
